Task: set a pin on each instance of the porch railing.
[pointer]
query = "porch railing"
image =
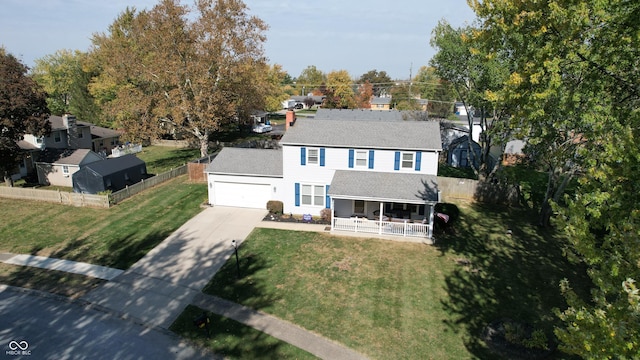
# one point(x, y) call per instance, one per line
point(405, 228)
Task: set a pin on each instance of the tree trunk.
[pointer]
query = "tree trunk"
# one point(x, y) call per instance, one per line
point(204, 143)
point(545, 207)
point(7, 179)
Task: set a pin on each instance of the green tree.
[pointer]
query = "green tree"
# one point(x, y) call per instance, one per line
point(341, 85)
point(578, 63)
point(23, 110)
point(380, 81)
point(280, 88)
point(438, 92)
point(310, 80)
point(402, 98)
point(65, 77)
point(474, 75)
point(193, 69)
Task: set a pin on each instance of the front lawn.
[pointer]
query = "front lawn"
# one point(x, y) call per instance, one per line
point(115, 237)
point(395, 300)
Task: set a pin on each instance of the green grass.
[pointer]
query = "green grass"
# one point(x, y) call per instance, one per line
point(233, 340)
point(115, 237)
point(164, 158)
point(394, 300)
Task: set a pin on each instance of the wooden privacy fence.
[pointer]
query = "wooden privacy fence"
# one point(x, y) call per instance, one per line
point(457, 189)
point(129, 191)
point(60, 197)
point(197, 168)
point(91, 200)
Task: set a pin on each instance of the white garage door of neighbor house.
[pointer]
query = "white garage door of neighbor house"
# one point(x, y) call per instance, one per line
point(242, 195)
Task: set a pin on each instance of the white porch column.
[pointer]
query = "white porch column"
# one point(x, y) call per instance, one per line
point(431, 215)
point(380, 215)
point(333, 212)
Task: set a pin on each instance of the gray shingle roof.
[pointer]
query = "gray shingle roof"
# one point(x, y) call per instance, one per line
point(397, 135)
point(397, 187)
point(242, 161)
point(64, 156)
point(110, 166)
point(368, 114)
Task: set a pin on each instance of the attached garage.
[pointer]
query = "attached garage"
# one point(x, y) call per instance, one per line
point(241, 194)
point(245, 177)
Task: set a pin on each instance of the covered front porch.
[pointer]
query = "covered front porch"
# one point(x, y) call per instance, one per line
point(404, 206)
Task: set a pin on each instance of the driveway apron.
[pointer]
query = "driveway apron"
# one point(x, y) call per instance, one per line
point(158, 287)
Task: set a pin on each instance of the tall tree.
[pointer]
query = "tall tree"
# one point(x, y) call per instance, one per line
point(65, 76)
point(280, 88)
point(438, 92)
point(402, 98)
point(474, 75)
point(578, 62)
point(310, 80)
point(380, 81)
point(363, 97)
point(23, 110)
point(340, 83)
point(194, 69)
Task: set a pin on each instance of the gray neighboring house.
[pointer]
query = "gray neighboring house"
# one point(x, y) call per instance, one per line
point(57, 166)
point(110, 174)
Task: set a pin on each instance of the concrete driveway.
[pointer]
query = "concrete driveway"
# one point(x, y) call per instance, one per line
point(157, 288)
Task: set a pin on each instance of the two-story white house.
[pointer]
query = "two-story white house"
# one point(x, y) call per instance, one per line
point(374, 176)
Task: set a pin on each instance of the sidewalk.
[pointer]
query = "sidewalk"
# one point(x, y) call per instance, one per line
point(157, 288)
point(96, 271)
point(283, 330)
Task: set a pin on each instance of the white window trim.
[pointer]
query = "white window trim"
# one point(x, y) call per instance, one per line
point(309, 157)
point(312, 195)
point(402, 160)
point(65, 170)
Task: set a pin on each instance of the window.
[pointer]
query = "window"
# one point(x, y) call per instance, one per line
point(407, 160)
point(57, 137)
point(358, 206)
point(361, 158)
point(65, 170)
point(312, 156)
point(80, 134)
point(312, 195)
point(39, 140)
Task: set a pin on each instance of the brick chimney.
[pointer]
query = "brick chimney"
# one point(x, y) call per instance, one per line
point(290, 119)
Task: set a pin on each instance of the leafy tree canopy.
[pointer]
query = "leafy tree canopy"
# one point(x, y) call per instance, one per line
point(180, 68)
point(380, 81)
point(575, 71)
point(23, 110)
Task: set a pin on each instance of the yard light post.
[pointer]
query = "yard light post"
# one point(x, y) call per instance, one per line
point(235, 247)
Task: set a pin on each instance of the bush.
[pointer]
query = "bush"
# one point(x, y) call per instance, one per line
point(325, 214)
point(275, 207)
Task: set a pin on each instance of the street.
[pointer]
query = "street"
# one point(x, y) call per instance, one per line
point(34, 326)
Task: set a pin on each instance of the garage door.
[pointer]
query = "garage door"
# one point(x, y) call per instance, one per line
point(242, 195)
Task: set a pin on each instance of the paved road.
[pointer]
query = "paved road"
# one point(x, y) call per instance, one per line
point(56, 328)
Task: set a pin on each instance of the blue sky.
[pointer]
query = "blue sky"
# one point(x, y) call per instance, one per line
point(356, 36)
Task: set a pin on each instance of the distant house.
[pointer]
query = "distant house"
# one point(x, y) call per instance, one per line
point(110, 174)
point(67, 133)
point(380, 103)
point(57, 166)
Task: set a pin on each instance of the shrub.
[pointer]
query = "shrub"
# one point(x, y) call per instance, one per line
point(275, 207)
point(325, 214)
